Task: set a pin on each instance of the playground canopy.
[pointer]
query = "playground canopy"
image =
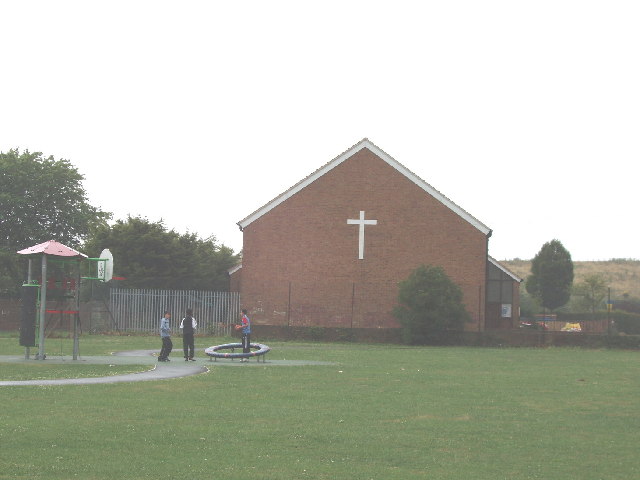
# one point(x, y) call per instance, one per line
point(52, 248)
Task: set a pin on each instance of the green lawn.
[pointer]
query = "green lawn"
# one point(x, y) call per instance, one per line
point(380, 412)
point(34, 371)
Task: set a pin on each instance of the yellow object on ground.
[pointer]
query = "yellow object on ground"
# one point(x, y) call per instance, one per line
point(571, 327)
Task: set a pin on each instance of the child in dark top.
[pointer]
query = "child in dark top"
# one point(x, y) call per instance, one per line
point(188, 327)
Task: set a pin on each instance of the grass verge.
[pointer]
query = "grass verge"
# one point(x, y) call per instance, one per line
point(380, 412)
point(44, 371)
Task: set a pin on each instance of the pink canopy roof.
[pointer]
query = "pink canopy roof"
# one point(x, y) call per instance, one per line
point(52, 248)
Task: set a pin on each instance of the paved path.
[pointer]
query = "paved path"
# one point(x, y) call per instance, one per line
point(175, 368)
point(157, 371)
point(160, 372)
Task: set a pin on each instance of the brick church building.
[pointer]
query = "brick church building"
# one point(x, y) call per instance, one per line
point(331, 250)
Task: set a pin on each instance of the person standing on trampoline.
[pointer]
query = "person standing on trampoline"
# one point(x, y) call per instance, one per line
point(188, 327)
point(165, 335)
point(246, 332)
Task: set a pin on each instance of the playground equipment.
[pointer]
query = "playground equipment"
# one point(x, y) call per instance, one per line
point(215, 353)
point(35, 293)
point(104, 267)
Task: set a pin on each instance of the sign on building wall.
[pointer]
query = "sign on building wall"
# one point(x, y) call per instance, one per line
point(506, 310)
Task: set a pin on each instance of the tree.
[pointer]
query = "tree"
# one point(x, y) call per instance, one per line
point(43, 199)
point(551, 275)
point(429, 305)
point(593, 291)
point(13, 272)
point(149, 256)
point(40, 199)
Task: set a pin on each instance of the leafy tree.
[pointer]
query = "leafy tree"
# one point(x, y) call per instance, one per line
point(40, 199)
point(429, 305)
point(551, 275)
point(149, 256)
point(13, 272)
point(593, 291)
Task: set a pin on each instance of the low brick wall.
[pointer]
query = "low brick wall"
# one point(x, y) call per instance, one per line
point(530, 338)
point(493, 338)
point(324, 334)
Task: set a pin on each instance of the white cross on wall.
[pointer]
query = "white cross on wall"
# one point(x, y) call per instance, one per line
point(361, 222)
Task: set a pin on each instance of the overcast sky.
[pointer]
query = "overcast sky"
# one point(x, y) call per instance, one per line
point(525, 114)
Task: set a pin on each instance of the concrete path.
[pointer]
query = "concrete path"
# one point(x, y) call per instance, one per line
point(175, 368)
point(160, 372)
point(157, 371)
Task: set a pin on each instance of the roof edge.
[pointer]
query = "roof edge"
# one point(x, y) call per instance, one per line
point(303, 183)
point(234, 269)
point(365, 143)
point(504, 269)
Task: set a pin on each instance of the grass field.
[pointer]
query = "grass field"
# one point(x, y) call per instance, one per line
point(379, 412)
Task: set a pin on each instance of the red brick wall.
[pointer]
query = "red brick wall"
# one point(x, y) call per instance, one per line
point(300, 260)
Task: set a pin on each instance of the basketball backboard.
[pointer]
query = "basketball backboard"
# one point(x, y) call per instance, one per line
point(105, 265)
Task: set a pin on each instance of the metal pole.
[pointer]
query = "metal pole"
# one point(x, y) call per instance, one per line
point(609, 313)
point(479, 308)
point(27, 350)
point(76, 316)
point(289, 308)
point(43, 307)
point(353, 300)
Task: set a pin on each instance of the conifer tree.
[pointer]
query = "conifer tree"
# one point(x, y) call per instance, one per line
point(551, 276)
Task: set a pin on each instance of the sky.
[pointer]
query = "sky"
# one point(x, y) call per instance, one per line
point(197, 113)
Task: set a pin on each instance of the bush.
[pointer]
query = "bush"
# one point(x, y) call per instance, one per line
point(627, 323)
point(316, 333)
point(430, 307)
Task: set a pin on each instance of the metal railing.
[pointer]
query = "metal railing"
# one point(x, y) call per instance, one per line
point(142, 309)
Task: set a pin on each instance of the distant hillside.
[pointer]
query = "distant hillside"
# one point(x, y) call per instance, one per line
point(623, 274)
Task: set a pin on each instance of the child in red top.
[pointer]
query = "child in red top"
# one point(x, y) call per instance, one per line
point(246, 332)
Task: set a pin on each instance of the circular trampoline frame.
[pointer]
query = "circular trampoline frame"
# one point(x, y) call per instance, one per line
point(215, 353)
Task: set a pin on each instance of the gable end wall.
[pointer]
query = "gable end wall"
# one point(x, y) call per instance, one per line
point(300, 259)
